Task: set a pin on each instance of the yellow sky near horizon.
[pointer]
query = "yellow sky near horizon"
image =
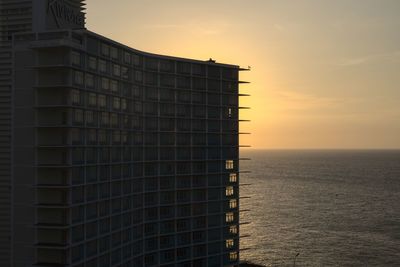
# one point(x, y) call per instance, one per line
point(325, 74)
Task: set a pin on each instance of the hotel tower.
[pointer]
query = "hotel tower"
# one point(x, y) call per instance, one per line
point(110, 156)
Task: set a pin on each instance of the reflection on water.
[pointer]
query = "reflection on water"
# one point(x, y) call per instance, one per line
point(334, 208)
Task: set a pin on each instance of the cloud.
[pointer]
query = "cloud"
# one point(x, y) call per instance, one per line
point(367, 59)
point(200, 28)
point(164, 26)
point(295, 101)
point(279, 27)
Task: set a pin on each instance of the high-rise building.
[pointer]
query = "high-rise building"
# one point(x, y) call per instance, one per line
point(110, 156)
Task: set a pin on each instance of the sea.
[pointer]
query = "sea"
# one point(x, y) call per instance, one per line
point(320, 207)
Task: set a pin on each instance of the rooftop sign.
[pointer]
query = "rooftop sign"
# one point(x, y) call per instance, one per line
point(62, 15)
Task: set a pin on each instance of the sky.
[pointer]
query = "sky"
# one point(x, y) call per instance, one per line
point(324, 74)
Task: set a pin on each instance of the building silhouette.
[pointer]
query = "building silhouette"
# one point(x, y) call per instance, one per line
point(110, 156)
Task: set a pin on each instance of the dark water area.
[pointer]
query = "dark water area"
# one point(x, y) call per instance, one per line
point(334, 208)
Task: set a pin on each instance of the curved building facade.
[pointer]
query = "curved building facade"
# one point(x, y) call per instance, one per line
point(116, 157)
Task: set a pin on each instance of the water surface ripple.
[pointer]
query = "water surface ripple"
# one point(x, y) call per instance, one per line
point(334, 208)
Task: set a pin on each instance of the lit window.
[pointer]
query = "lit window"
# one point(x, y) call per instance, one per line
point(102, 66)
point(229, 191)
point(229, 164)
point(89, 80)
point(233, 177)
point(233, 203)
point(233, 229)
point(229, 112)
point(92, 63)
point(233, 256)
point(229, 217)
point(75, 97)
point(230, 243)
point(105, 84)
point(78, 77)
point(76, 58)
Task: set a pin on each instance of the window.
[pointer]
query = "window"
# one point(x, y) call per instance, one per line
point(77, 253)
point(229, 112)
point(92, 100)
point(127, 58)
point(92, 63)
point(138, 107)
point(229, 191)
point(116, 137)
point(229, 165)
point(233, 256)
point(102, 137)
point(114, 52)
point(233, 177)
point(136, 91)
point(76, 58)
point(102, 101)
point(114, 86)
point(233, 229)
point(124, 137)
point(78, 116)
point(89, 80)
point(125, 72)
point(233, 204)
point(229, 217)
point(78, 77)
point(102, 65)
point(124, 105)
point(75, 97)
point(105, 84)
point(230, 243)
point(76, 136)
point(114, 120)
point(138, 76)
point(104, 118)
point(105, 50)
point(116, 103)
point(136, 60)
point(89, 117)
point(92, 136)
point(116, 70)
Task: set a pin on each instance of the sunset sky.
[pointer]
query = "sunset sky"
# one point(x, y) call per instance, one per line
point(325, 74)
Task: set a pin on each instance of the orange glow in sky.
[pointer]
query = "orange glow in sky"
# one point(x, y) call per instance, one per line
point(325, 74)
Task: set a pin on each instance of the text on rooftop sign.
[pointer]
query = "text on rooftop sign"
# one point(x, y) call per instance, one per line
point(66, 15)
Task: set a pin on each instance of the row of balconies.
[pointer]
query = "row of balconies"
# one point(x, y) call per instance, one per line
point(133, 255)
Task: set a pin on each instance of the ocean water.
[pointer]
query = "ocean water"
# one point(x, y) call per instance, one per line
point(332, 208)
